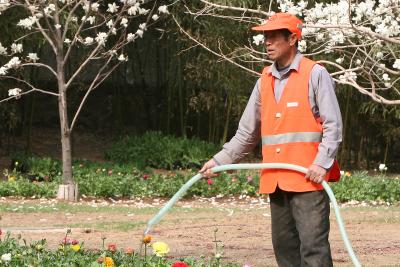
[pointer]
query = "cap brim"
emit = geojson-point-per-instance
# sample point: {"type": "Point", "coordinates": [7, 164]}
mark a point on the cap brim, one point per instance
{"type": "Point", "coordinates": [263, 28]}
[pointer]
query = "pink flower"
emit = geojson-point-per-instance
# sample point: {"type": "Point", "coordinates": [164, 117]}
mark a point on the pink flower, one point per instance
{"type": "Point", "coordinates": [210, 181]}
{"type": "Point", "coordinates": [74, 242]}
{"type": "Point", "coordinates": [112, 247]}
{"type": "Point", "coordinates": [249, 179]}
{"type": "Point", "coordinates": [234, 179]}
{"type": "Point", "coordinates": [110, 172]}
{"type": "Point", "coordinates": [247, 265]}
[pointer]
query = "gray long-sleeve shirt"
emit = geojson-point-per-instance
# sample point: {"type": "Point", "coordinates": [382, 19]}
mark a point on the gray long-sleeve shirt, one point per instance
{"type": "Point", "coordinates": [323, 104]}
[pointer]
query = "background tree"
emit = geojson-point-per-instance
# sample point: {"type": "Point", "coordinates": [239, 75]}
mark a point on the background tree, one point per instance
{"type": "Point", "coordinates": [358, 41]}
{"type": "Point", "coordinates": [85, 41]}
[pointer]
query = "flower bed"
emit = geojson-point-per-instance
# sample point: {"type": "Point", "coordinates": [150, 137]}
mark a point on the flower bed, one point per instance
{"type": "Point", "coordinates": [16, 252]}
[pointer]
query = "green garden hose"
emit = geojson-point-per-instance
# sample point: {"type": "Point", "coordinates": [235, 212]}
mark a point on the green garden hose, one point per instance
{"type": "Point", "coordinates": [244, 166]}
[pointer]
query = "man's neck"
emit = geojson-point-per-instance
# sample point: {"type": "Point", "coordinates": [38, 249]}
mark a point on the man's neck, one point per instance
{"type": "Point", "coordinates": [287, 60]}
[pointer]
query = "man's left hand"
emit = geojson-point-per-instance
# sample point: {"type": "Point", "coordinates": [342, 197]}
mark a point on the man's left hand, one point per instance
{"type": "Point", "coordinates": [316, 174]}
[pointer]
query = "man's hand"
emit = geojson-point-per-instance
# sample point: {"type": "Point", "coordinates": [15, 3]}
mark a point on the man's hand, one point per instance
{"type": "Point", "coordinates": [206, 170]}
{"type": "Point", "coordinates": [316, 173]}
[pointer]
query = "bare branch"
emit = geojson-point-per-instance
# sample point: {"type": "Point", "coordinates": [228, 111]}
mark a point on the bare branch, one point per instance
{"type": "Point", "coordinates": [213, 52]}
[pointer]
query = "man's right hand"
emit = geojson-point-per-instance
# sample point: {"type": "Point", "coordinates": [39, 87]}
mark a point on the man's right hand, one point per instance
{"type": "Point", "coordinates": [206, 169]}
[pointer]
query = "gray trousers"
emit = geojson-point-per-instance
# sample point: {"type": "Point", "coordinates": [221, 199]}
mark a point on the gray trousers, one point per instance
{"type": "Point", "coordinates": [300, 228]}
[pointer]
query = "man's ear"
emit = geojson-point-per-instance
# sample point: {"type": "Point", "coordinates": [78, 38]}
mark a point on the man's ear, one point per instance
{"type": "Point", "coordinates": [293, 39]}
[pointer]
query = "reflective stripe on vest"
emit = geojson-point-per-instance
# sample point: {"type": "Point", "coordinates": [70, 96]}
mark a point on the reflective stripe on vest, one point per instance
{"type": "Point", "coordinates": [278, 139]}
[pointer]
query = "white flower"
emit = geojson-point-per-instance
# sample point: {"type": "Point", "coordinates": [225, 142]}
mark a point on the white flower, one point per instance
{"type": "Point", "coordinates": [339, 60]}
{"type": "Point", "coordinates": [379, 54]}
{"type": "Point", "coordinates": [163, 9]}
{"type": "Point", "coordinates": [27, 23]}
{"type": "Point", "coordinates": [50, 8]}
{"type": "Point", "coordinates": [155, 17]}
{"type": "Point", "coordinates": [3, 70]}
{"type": "Point", "coordinates": [13, 63]}
{"type": "Point", "coordinates": [33, 57]}
{"type": "Point", "coordinates": [88, 40]}
{"type": "Point", "coordinates": [113, 31]}
{"type": "Point", "coordinates": [3, 50]}
{"type": "Point", "coordinates": [67, 41]}
{"type": "Point", "coordinates": [143, 11]}
{"type": "Point", "coordinates": [110, 23]}
{"type": "Point", "coordinates": [122, 58]}
{"type": "Point", "coordinates": [13, 92]}
{"type": "Point", "coordinates": [133, 9]}
{"type": "Point", "coordinates": [74, 19]}
{"type": "Point", "coordinates": [124, 22]}
{"type": "Point", "coordinates": [348, 76]}
{"type": "Point", "coordinates": [142, 26]}
{"type": "Point", "coordinates": [258, 39]}
{"type": "Point", "coordinates": [341, 172]}
{"type": "Point", "coordinates": [387, 85]}
{"type": "Point", "coordinates": [129, 2]}
{"type": "Point", "coordinates": [95, 7]}
{"type": "Point", "coordinates": [139, 32]}
{"type": "Point", "coordinates": [358, 62]}
{"type": "Point", "coordinates": [130, 37]}
{"type": "Point", "coordinates": [386, 77]}
{"type": "Point", "coordinates": [396, 64]}
{"type": "Point", "coordinates": [112, 8]}
{"type": "Point", "coordinates": [91, 19]}
{"type": "Point", "coordinates": [6, 257]}
{"type": "Point", "coordinates": [57, 26]}
{"type": "Point", "coordinates": [4, 4]}
{"type": "Point", "coordinates": [101, 37]}
{"type": "Point", "coordinates": [382, 167]}
{"type": "Point", "coordinates": [302, 46]}
{"type": "Point", "coordinates": [16, 48]}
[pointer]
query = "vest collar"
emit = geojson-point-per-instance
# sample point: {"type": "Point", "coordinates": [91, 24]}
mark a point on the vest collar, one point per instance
{"type": "Point", "coordinates": [273, 70]}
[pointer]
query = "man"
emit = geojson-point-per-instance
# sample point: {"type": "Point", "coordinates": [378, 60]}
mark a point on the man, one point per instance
{"type": "Point", "coordinates": [294, 111]}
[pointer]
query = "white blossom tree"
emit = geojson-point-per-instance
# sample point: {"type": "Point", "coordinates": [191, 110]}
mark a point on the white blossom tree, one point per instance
{"type": "Point", "coordinates": [99, 29]}
{"type": "Point", "coordinates": [358, 40]}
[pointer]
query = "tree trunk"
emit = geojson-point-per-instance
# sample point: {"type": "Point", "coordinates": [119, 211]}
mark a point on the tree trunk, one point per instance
{"type": "Point", "coordinates": [67, 191]}
{"type": "Point", "coordinates": [227, 119]}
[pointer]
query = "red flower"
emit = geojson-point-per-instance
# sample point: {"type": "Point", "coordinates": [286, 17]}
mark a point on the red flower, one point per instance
{"type": "Point", "coordinates": [180, 264]}
{"type": "Point", "coordinates": [129, 250]}
{"type": "Point", "coordinates": [210, 182]}
{"type": "Point", "coordinates": [112, 247]}
{"type": "Point", "coordinates": [74, 242]}
{"type": "Point", "coordinates": [146, 176]}
{"type": "Point", "coordinates": [1, 232]}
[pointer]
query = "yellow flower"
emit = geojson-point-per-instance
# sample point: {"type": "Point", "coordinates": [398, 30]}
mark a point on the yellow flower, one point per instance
{"type": "Point", "coordinates": [347, 174]}
{"type": "Point", "coordinates": [109, 262]}
{"type": "Point", "coordinates": [160, 248]}
{"type": "Point", "coordinates": [76, 247]}
{"type": "Point", "coordinates": [11, 178]}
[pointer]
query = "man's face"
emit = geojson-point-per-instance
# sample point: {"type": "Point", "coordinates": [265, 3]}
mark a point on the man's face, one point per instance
{"type": "Point", "coordinates": [278, 45]}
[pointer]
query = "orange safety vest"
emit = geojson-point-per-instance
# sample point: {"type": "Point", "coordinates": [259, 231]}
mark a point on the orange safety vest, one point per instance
{"type": "Point", "coordinates": [290, 133]}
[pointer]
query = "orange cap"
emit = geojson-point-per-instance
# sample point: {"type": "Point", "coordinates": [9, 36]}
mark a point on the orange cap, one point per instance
{"type": "Point", "coordinates": [280, 21]}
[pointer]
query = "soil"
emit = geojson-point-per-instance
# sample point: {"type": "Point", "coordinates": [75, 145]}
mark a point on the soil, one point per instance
{"type": "Point", "coordinates": [243, 228]}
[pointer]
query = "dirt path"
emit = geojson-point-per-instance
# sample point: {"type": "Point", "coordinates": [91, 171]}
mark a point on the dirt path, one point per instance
{"type": "Point", "coordinates": [243, 227]}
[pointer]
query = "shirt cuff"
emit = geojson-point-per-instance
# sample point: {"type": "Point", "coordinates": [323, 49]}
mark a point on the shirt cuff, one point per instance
{"type": "Point", "coordinates": [222, 158]}
{"type": "Point", "coordinates": [323, 161]}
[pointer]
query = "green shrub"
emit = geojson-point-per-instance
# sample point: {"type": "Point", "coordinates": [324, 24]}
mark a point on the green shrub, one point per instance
{"type": "Point", "coordinates": [156, 150]}
{"type": "Point", "coordinates": [125, 181]}
{"type": "Point", "coordinates": [363, 187]}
